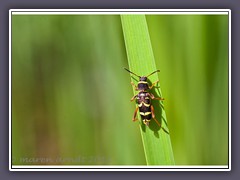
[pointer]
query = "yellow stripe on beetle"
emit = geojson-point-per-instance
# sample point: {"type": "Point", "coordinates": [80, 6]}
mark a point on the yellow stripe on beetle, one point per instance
{"type": "Point", "coordinates": [145, 114]}
{"type": "Point", "coordinates": [142, 82]}
{"type": "Point", "coordinates": [140, 105]}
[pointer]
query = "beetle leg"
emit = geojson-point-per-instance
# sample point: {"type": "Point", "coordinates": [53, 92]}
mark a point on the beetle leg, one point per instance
{"type": "Point", "coordinates": [153, 116]}
{"type": "Point", "coordinates": [135, 114]}
{"type": "Point", "coordinates": [134, 97]}
{"type": "Point", "coordinates": [135, 87]}
{"type": "Point", "coordinates": [153, 97]}
{"type": "Point", "coordinates": [153, 84]}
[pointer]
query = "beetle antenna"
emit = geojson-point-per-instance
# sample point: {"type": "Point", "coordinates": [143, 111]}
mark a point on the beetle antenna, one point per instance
{"type": "Point", "coordinates": [153, 73]}
{"type": "Point", "coordinates": [132, 72]}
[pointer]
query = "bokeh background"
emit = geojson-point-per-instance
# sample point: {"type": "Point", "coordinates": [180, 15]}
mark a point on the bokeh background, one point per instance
{"type": "Point", "coordinates": [71, 97]}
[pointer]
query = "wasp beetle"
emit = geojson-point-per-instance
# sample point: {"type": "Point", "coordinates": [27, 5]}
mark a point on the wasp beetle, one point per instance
{"type": "Point", "coordinates": [143, 99]}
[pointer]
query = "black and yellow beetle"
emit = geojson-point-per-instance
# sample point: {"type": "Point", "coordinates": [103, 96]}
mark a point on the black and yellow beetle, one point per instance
{"type": "Point", "coordinates": [143, 99]}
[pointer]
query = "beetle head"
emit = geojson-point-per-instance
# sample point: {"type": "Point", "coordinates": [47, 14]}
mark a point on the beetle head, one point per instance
{"type": "Point", "coordinates": [143, 78]}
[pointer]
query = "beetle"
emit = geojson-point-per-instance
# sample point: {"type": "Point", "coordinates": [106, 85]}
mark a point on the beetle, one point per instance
{"type": "Point", "coordinates": [143, 99]}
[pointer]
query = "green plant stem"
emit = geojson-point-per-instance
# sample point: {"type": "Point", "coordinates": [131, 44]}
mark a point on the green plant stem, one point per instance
{"type": "Point", "coordinates": [156, 142]}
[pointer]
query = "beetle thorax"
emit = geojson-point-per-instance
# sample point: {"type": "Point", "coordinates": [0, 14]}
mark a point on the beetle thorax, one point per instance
{"type": "Point", "coordinates": [143, 84]}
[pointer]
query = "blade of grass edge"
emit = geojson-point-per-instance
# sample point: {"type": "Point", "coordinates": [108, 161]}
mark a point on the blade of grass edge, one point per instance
{"type": "Point", "coordinates": [157, 144]}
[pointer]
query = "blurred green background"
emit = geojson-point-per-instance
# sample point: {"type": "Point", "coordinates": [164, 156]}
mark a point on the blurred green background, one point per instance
{"type": "Point", "coordinates": [71, 97]}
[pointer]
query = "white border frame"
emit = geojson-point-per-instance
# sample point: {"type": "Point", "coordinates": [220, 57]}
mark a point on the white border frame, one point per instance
{"type": "Point", "coordinates": [118, 12]}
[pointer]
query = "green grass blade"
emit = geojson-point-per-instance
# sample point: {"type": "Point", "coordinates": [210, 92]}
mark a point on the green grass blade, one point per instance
{"type": "Point", "coordinates": [156, 142]}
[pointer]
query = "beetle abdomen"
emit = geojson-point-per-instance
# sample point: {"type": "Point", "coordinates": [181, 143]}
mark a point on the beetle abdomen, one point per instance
{"type": "Point", "coordinates": [145, 112]}
{"type": "Point", "coordinates": [144, 104]}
